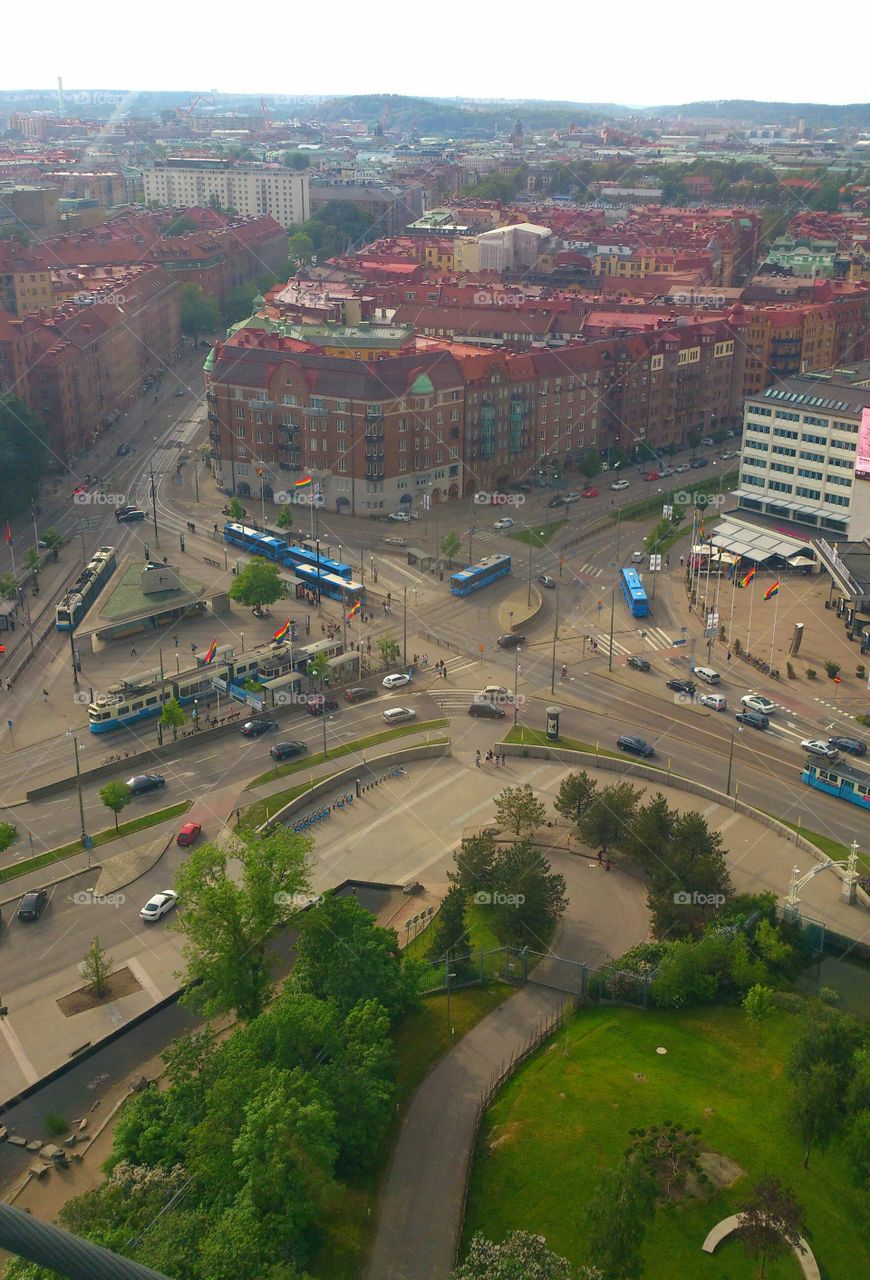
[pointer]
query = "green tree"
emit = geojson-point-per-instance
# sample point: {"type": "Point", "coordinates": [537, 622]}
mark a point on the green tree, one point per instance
{"type": "Point", "coordinates": [758, 1002]}
{"type": "Point", "coordinates": [590, 464]}
{"type": "Point", "coordinates": [771, 1220]}
{"type": "Point", "coordinates": [23, 455]}
{"type": "Point", "coordinates": [450, 547]}
{"type": "Point", "coordinates": [285, 518]}
{"type": "Point", "coordinates": [615, 1218]}
{"type": "Point", "coordinates": [239, 303]}
{"type": "Point", "coordinates": [826, 1036]}
{"type": "Point", "coordinates": [258, 584]}
{"type": "Point", "coordinates": [474, 860]}
{"type": "Point", "coordinates": [610, 815]}
{"type": "Point", "coordinates": [235, 509]}
{"type": "Point", "coordinates": [199, 311]}
{"type": "Point", "coordinates": [96, 967]}
{"type": "Point", "coordinates": [300, 248]}
{"type": "Point", "coordinates": [53, 540]}
{"type": "Point", "coordinates": [519, 810]}
{"type": "Point", "coordinates": [179, 226]}
{"type": "Point", "coordinates": [172, 717]}
{"type": "Point", "coordinates": [318, 669]}
{"type": "Point", "coordinates": [668, 1153]}
{"type": "Point", "coordinates": [116, 796]}
{"type": "Point", "coordinates": [815, 1108]}
{"type": "Point", "coordinates": [856, 1141]}
{"type": "Point", "coordinates": [33, 561]}
{"type": "Point", "coordinates": [15, 232]}
{"type": "Point", "coordinates": [343, 955]}
{"type": "Point", "coordinates": [298, 160]}
{"type": "Point", "coordinates": [528, 898]}
{"type": "Point", "coordinates": [651, 832]}
{"type": "Point", "coordinates": [448, 929]}
{"type": "Point", "coordinates": [389, 650]}
{"type": "Point", "coordinates": [575, 795]}
{"type": "Point", "coordinates": [229, 915]}
{"type": "Point", "coordinates": [8, 586]}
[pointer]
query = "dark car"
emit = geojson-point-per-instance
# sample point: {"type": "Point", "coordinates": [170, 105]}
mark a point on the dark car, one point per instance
{"type": "Point", "coordinates": [319, 704]}
{"type": "Point", "coordinates": [753, 718]}
{"type": "Point", "coordinates": [510, 641]}
{"type": "Point", "coordinates": [122, 450]}
{"type": "Point", "coordinates": [488, 710]}
{"type": "Point", "coordinates": [124, 511]}
{"type": "Point", "coordinates": [636, 746]}
{"type": "Point", "coordinates": [699, 463]}
{"type": "Point", "coordinates": [256, 728]}
{"type": "Point", "coordinates": [682, 686]}
{"type": "Point", "coordinates": [179, 391]}
{"type": "Point", "coordinates": [130, 517]}
{"type": "Point", "coordinates": [556, 502]}
{"type": "Point", "coordinates": [852, 746]}
{"type": "Point", "coordinates": [359, 693]}
{"type": "Point", "coordinates": [32, 904]}
{"type": "Point", "coordinates": [520, 488]}
{"type": "Point", "coordinates": [639, 664]}
{"type": "Point", "coordinates": [143, 782]}
{"type": "Point", "coordinates": [284, 750]}
{"type": "Point", "coordinates": [546, 581]}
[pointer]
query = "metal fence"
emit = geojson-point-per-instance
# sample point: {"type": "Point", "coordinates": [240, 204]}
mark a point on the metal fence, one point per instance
{"type": "Point", "coordinates": [519, 965]}
{"type": "Point", "coordinates": [822, 937]}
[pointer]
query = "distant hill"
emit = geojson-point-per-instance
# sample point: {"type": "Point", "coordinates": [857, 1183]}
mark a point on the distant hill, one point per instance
{"type": "Point", "coordinates": [814, 114]}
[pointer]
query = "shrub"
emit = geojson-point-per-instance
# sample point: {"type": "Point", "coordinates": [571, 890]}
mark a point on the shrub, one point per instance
{"type": "Point", "coordinates": [859, 671]}
{"type": "Point", "coordinates": [55, 1125]}
{"type": "Point", "coordinates": [811, 673]}
{"type": "Point", "coordinates": [738, 647]}
{"type": "Point", "coordinates": [792, 674]}
{"type": "Point", "coordinates": [831, 668]}
{"type": "Point", "coordinates": [8, 833]}
{"type": "Point", "coordinates": [788, 1000]}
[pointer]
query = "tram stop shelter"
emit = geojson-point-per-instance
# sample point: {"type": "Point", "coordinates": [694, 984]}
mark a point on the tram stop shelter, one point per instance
{"type": "Point", "coordinates": [149, 596]}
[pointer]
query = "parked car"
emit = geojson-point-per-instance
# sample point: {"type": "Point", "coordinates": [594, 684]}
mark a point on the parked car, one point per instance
{"type": "Point", "coordinates": [572, 497]}
{"type": "Point", "coordinates": [729, 454]}
{"type": "Point", "coordinates": [396, 680]}
{"type": "Point", "coordinates": [637, 557]}
{"type": "Point", "coordinates": [852, 746]}
{"type": "Point", "coordinates": [159, 905]}
{"type": "Point", "coordinates": [395, 714]}
{"type": "Point", "coordinates": [285, 750]}
{"type": "Point", "coordinates": [666, 472]}
{"type": "Point", "coordinates": [757, 702]}
{"type": "Point", "coordinates": [510, 640]}
{"type": "Point", "coordinates": [591, 492]}
{"type": "Point", "coordinates": [699, 463]}
{"type": "Point", "coordinates": [319, 703]}
{"type": "Point", "coordinates": [256, 728]}
{"type": "Point", "coordinates": [130, 517]}
{"type": "Point", "coordinates": [620, 484]}
{"type": "Point", "coordinates": [395, 542]}
{"type": "Point", "coordinates": [179, 391]}
{"type": "Point", "coordinates": [715, 701]}
{"type": "Point", "coordinates": [683, 467]}
{"type": "Point", "coordinates": [506, 523]}
{"type": "Point", "coordinates": [708, 441]}
{"type": "Point", "coordinates": [753, 718]}
{"type": "Point", "coordinates": [546, 581]}
{"type": "Point", "coordinates": [123, 511]}
{"type": "Point", "coordinates": [558, 501]}
{"type": "Point", "coordinates": [520, 488]}
{"type": "Point", "coordinates": [486, 709]}
{"type": "Point", "coordinates": [189, 834]}
{"type": "Point", "coordinates": [122, 450]}
{"type": "Point", "coordinates": [681, 686]}
{"type": "Point", "coordinates": [143, 782]}
{"type": "Point", "coordinates": [32, 905]}
{"type": "Point", "coordinates": [635, 746]}
{"type": "Point", "coordinates": [400, 515]}
{"type": "Point", "coordinates": [639, 664]}
{"type": "Point", "coordinates": [359, 693]}
{"type": "Point", "coordinates": [816, 747]}
{"type": "Point", "coordinates": [653, 475]}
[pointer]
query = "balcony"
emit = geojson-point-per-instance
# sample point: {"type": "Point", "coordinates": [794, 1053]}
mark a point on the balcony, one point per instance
{"type": "Point", "coordinates": [374, 433]}
{"type": "Point", "coordinates": [314, 411]}
{"type": "Point", "coordinates": [374, 473]}
{"type": "Point", "coordinates": [211, 397]}
{"type": "Point", "coordinates": [214, 437]}
{"type": "Point", "coordinates": [212, 417]}
{"type": "Point", "coordinates": [374, 416]}
{"type": "Point", "coordinates": [262, 404]}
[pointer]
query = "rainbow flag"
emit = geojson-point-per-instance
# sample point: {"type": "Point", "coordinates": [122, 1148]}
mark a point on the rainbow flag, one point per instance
{"type": "Point", "coordinates": [303, 483]}
{"type": "Point", "coordinates": [354, 611]}
{"type": "Point", "coordinates": [282, 632]}
{"type": "Point", "coordinates": [745, 581]}
{"type": "Point", "coordinates": [772, 591]}
{"type": "Point", "coordinates": [212, 650]}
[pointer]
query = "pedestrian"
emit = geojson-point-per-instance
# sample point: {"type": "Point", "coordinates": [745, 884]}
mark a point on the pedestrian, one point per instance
{"type": "Point", "coordinates": [667, 562]}
{"type": "Point", "coordinates": [476, 758]}
{"type": "Point", "coordinates": [489, 757]}
{"type": "Point", "coordinates": [8, 686]}
{"type": "Point", "coordinates": [728, 655]}
{"type": "Point", "coordinates": [564, 670]}
{"type": "Point", "coordinates": [215, 530]}
{"type": "Point", "coordinates": [682, 561]}
{"type": "Point", "coordinates": [132, 651]}
{"type": "Point", "coordinates": [45, 695]}
{"type": "Point", "coordinates": [607, 865]}
{"type": "Point", "coordinates": [192, 647]}
{"type": "Point", "coordinates": [497, 758]}
{"type": "Point", "coordinates": [600, 855]}
{"type": "Point", "coordinates": [192, 527]}
{"type": "Point", "coordinates": [175, 638]}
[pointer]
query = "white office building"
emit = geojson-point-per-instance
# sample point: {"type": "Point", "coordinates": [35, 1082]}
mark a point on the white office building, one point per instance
{"type": "Point", "coordinates": [252, 192]}
{"type": "Point", "coordinates": [806, 451]}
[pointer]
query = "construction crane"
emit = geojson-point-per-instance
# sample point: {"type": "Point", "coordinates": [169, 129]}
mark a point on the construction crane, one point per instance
{"type": "Point", "coordinates": [267, 122]}
{"type": "Point", "coordinates": [186, 111]}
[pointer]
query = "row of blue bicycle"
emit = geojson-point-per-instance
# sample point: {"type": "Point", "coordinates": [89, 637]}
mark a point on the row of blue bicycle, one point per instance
{"type": "Point", "coordinates": [319, 815]}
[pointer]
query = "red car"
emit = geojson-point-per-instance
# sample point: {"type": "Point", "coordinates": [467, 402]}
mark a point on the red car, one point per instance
{"type": "Point", "coordinates": [652, 475]}
{"type": "Point", "coordinates": [590, 493]}
{"type": "Point", "coordinates": [189, 834]}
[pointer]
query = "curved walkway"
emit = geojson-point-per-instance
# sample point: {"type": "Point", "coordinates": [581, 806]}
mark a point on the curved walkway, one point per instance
{"type": "Point", "coordinates": [803, 1252]}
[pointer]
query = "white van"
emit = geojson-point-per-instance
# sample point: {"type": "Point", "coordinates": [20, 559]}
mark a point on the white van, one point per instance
{"type": "Point", "coordinates": [707, 674]}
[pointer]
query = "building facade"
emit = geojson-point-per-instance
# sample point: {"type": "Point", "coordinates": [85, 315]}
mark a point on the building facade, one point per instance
{"type": "Point", "coordinates": [252, 192]}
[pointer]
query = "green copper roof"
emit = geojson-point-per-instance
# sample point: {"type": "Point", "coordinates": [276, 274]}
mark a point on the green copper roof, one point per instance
{"type": "Point", "coordinates": [422, 386]}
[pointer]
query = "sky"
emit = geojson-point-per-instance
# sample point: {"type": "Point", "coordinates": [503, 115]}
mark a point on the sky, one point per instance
{"type": "Point", "coordinates": [638, 54]}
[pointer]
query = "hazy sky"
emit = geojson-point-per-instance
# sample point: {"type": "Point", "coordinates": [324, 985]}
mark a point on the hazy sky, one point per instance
{"type": "Point", "coordinates": [633, 53]}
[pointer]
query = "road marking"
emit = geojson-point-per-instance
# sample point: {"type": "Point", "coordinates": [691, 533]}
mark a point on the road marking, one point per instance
{"type": "Point", "coordinates": [138, 972]}
{"type": "Point", "coordinates": [26, 1067]}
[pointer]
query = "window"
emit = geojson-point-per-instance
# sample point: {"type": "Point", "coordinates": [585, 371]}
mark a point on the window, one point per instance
{"type": "Point", "coordinates": [341, 424]}
{"type": "Point", "coordinates": [240, 433]}
{"type": "Point", "coordinates": [240, 414]}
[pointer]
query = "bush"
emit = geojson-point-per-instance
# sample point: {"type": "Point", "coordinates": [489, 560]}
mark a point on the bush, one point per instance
{"type": "Point", "coordinates": [811, 673]}
{"type": "Point", "coordinates": [788, 1000]}
{"type": "Point", "coordinates": [792, 674]}
{"type": "Point", "coordinates": [859, 671]}
{"type": "Point", "coordinates": [832, 668]}
{"type": "Point", "coordinates": [55, 1125]}
{"type": "Point", "coordinates": [738, 647]}
{"type": "Point", "coordinates": [8, 832]}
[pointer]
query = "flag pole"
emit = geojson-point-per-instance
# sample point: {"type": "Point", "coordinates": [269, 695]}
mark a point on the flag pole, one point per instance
{"type": "Point", "coordinates": [775, 614]}
{"type": "Point", "coordinates": [749, 626]}
{"type": "Point", "coordinates": [735, 569]}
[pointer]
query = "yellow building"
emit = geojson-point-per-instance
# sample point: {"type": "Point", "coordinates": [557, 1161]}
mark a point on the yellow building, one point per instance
{"type": "Point", "coordinates": [24, 290]}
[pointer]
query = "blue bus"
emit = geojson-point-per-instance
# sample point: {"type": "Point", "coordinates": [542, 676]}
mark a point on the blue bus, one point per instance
{"type": "Point", "coordinates": [479, 575]}
{"type": "Point", "coordinates": [841, 780]}
{"type": "Point", "coordinates": [78, 599]}
{"type": "Point", "coordinates": [329, 584]}
{"type": "Point", "coordinates": [263, 542]}
{"type": "Point", "coordinates": [633, 593]}
{"type": "Point", "coordinates": [308, 556]}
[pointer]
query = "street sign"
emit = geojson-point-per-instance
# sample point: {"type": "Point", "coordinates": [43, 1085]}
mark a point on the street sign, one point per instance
{"type": "Point", "coordinates": [667, 512]}
{"type": "Point", "coordinates": [655, 564]}
{"type": "Point", "coordinates": [10, 723]}
{"type": "Point", "coordinates": [677, 643]}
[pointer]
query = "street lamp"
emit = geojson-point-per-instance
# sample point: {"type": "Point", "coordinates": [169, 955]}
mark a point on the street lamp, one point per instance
{"type": "Point", "coordinates": [516, 679]}
{"type": "Point", "coordinates": [84, 834]}
{"type": "Point", "coordinates": [449, 975]}
{"type": "Point", "coordinates": [730, 762]}
{"type": "Point", "coordinates": [196, 713]}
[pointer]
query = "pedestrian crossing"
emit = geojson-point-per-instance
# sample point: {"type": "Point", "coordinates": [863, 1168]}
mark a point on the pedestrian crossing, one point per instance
{"type": "Point", "coordinates": [590, 570]}
{"type": "Point", "coordinates": [652, 638]}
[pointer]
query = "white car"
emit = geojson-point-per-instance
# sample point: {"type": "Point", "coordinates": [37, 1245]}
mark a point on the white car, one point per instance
{"type": "Point", "coordinates": [396, 681]}
{"type": "Point", "coordinates": [507, 523]}
{"type": "Point", "coordinates": [399, 515]}
{"type": "Point", "coordinates": [159, 905]}
{"type": "Point", "coordinates": [756, 702]}
{"type": "Point", "coordinates": [619, 484]}
{"type": "Point", "coordinates": [394, 714]}
{"type": "Point", "coordinates": [571, 497]}
{"type": "Point", "coordinates": [713, 700]}
{"type": "Point", "coordinates": [815, 747]}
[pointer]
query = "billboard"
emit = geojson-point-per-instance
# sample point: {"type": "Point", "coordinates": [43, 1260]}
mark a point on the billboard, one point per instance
{"type": "Point", "coordinates": [862, 458]}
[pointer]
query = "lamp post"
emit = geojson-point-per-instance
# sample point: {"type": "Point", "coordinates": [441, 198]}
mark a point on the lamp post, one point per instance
{"type": "Point", "coordinates": [196, 713]}
{"type": "Point", "coordinates": [555, 638]}
{"type": "Point", "coordinates": [84, 834]}
{"type": "Point", "coordinates": [448, 975]}
{"type": "Point", "coordinates": [730, 762]}
{"type": "Point", "coordinates": [516, 681]}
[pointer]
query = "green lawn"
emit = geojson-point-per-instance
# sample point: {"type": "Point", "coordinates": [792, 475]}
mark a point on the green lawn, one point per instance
{"type": "Point", "coordinates": [374, 740]}
{"type": "Point", "coordinates": [690, 484]}
{"type": "Point", "coordinates": [565, 1117]}
{"type": "Point", "coordinates": [541, 533]}
{"type": "Point", "coordinates": [420, 1041]}
{"type": "Point", "coordinates": [836, 851]}
{"type": "Point", "coordinates": [102, 837]}
{"type": "Point", "coordinates": [538, 738]}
